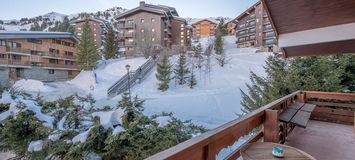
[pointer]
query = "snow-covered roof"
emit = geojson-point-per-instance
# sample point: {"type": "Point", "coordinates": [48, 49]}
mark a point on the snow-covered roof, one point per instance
{"type": "Point", "coordinates": [36, 34]}
{"type": "Point", "coordinates": [158, 9]}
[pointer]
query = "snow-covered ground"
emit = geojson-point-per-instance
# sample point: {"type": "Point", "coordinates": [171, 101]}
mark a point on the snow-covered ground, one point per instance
{"type": "Point", "coordinates": [214, 101]}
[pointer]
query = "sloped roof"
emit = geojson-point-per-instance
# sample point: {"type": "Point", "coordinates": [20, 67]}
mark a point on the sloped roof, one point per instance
{"type": "Point", "coordinates": [158, 9]}
{"type": "Point", "coordinates": [193, 22]}
{"type": "Point", "coordinates": [246, 12]}
{"type": "Point", "coordinates": [99, 20]}
{"type": "Point", "coordinates": [35, 34]}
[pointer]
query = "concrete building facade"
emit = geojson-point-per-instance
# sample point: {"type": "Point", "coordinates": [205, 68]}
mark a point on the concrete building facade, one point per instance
{"type": "Point", "coordinates": [150, 27]}
{"type": "Point", "coordinates": [98, 26]}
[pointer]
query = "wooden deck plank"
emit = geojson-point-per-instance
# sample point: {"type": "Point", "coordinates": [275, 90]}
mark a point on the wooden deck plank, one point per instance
{"type": "Point", "coordinates": [301, 118]}
{"type": "Point", "coordinates": [308, 107]}
{"type": "Point", "coordinates": [287, 115]}
{"type": "Point", "coordinates": [296, 105]}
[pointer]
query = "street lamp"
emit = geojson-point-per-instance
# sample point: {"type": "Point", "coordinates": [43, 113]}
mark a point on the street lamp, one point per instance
{"type": "Point", "coordinates": [129, 87]}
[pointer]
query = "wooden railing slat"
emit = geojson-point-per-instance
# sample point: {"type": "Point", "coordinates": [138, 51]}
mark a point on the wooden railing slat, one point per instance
{"type": "Point", "coordinates": [345, 105]}
{"type": "Point", "coordinates": [330, 95]}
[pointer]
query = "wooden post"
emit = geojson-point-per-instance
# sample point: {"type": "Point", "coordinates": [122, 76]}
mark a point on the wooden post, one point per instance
{"type": "Point", "coordinates": [354, 122]}
{"type": "Point", "coordinates": [271, 127]}
{"type": "Point", "coordinates": [211, 152]}
{"type": "Point", "coordinates": [301, 97]}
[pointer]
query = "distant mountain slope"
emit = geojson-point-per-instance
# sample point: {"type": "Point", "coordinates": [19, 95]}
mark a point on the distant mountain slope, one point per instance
{"type": "Point", "coordinates": [24, 24]}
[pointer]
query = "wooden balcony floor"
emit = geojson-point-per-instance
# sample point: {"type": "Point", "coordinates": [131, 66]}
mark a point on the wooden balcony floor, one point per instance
{"type": "Point", "coordinates": [324, 141]}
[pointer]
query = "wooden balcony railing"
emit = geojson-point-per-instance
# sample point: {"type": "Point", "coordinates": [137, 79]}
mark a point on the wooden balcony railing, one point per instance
{"type": "Point", "coordinates": [15, 62]}
{"type": "Point", "coordinates": [51, 65]}
{"type": "Point", "coordinates": [209, 144]}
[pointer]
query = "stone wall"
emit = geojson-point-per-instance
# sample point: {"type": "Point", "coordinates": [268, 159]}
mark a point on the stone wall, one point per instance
{"type": "Point", "coordinates": [41, 74]}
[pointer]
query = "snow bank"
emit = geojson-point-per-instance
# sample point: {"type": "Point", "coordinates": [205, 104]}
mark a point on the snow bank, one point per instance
{"type": "Point", "coordinates": [31, 86]}
{"type": "Point", "coordinates": [85, 80]}
{"type": "Point", "coordinates": [110, 118]}
{"type": "Point", "coordinates": [54, 137]}
{"type": "Point", "coordinates": [81, 137]}
{"type": "Point", "coordinates": [6, 98]}
{"type": "Point", "coordinates": [117, 130]}
{"type": "Point", "coordinates": [163, 120]}
{"type": "Point", "coordinates": [35, 146]}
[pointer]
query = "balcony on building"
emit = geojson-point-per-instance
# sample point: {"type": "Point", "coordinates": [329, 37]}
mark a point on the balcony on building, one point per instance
{"type": "Point", "coordinates": [129, 34]}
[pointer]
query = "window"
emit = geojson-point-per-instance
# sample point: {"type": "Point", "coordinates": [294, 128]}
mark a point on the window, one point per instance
{"type": "Point", "coordinates": [53, 51]}
{"type": "Point", "coordinates": [182, 33]}
{"type": "Point", "coordinates": [55, 61]}
{"type": "Point", "coordinates": [70, 73]}
{"type": "Point", "coordinates": [69, 62]}
{"type": "Point", "coordinates": [130, 22]}
{"type": "Point", "coordinates": [79, 34]}
{"type": "Point", "coordinates": [36, 41]}
{"type": "Point", "coordinates": [14, 44]}
{"type": "Point", "coordinates": [142, 30]}
{"type": "Point", "coordinates": [2, 43]}
{"type": "Point", "coordinates": [3, 56]}
{"type": "Point", "coordinates": [257, 20]}
{"type": "Point", "coordinates": [95, 35]}
{"type": "Point", "coordinates": [182, 41]}
{"type": "Point", "coordinates": [153, 19]}
{"type": "Point", "coordinates": [51, 71]}
{"type": "Point", "coordinates": [182, 25]}
{"type": "Point", "coordinates": [143, 39]}
{"type": "Point", "coordinates": [142, 20]}
{"type": "Point", "coordinates": [79, 28]}
{"type": "Point", "coordinates": [153, 30]}
{"type": "Point", "coordinates": [153, 39]}
{"type": "Point", "coordinates": [70, 54]}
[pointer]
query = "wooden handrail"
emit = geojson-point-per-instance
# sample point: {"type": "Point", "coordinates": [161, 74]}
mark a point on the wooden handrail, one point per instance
{"type": "Point", "coordinates": [207, 145]}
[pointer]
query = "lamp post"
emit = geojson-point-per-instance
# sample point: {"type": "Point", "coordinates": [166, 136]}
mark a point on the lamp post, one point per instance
{"type": "Point", "coordinates": [129, 85]}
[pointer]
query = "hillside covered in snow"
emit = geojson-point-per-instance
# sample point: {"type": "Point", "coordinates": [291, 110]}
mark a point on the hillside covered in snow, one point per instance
{"type": "Point", "coordinates": [214, 101]}
{"type": "Point", "coordinates": [50, 19]}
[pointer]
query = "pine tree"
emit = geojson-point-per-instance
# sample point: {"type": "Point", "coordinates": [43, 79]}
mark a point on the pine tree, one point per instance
{"type": "Point", "coordinates": [287, 76]}
{"type": "Point", "coordinates": [111, 47]}
{"type": "Point", "coordinates": [192, 81]}
{"type": "Point", "coordinates": [63, 26]}
{"type": "Point", "coordinates": [35, 27]}
{"type": "Point", "coordinates": [198, 55]}
{"type": "Point", "coordinates": [181, 70]}
{"type": "Point", "coordinates": [164, 74]}
{"type": "Point", "coordinates": [132, 109]}
{"type": "Point", "coordinates": [87, 53]}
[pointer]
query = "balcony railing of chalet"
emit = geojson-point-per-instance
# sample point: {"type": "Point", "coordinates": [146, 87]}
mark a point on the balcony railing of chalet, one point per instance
{"type": "Point", "coordinates": [264, 119]}
{"type": "Point", "coordinates": [39, 53]}
{"type": "Point", "coordinates": [53, 65]}
{"type": "Point", "coordinates": [15, 62]}
{"type": "Point", "coordinates": [129, 34]}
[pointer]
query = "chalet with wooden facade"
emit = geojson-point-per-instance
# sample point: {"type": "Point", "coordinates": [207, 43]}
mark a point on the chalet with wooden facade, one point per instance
{"type": "Point", "coordinates": [45, 56]}
{"type": "Point", "coordinates": [156, 26]}
{"type": "Point", "coordinates": [204, 28]}
{"type": "Point", "coordinates": [98, 26]}
{"type": "Point", "coordinates": [317, 125]}
{"type": "Point", "coordinates": [231, 25]}
{"type": "Point", "coordinates": [253, 28]}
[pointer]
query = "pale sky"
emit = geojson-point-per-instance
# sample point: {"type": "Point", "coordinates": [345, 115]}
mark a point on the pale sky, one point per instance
{"type": "Point", "coordinates": [16, 9]}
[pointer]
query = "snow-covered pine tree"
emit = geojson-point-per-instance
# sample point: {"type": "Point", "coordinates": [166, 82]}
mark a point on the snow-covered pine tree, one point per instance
{"type": "Point", "coordinates": [111, 47]}
{"type": "Point", "coordinates": [164, 73]}
{"type": "Point", "coordinates": [87, 53]}
{"type": "Point", "coordinates": [131, 108]}
{"type": "Point", "coordinates": [181, 70]}
{"type": "Point", "coordinates": [198, 55]}
{"type": "Point", "coordinates": [192, 79]}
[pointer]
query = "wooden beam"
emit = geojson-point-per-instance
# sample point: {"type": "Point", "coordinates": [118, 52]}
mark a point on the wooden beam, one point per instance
{"type": "Point", "coordinates": [331, 95]}
{"type": "Point", "coordinates": [271, 127]}
{"type": "Point", "coordinates": [354, 122]}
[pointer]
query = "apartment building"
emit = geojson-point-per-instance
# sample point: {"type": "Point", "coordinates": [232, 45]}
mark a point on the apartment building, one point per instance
{"type": "Point", "coordinates": [204, 28]}
{"type": "Point", "coordinates": [98, 26]}
{"type": "Point", "coordinates": [253, 29]}
{"type": "Point", "coordinates": [45, 56]}
{"type": "Point", "coordinates": [156, 26]}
